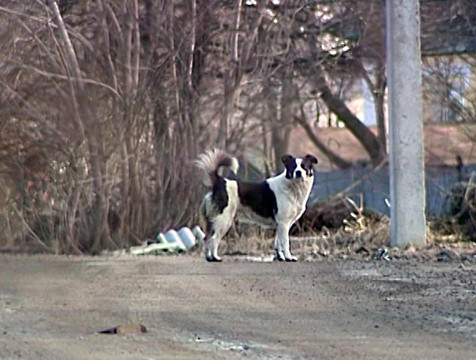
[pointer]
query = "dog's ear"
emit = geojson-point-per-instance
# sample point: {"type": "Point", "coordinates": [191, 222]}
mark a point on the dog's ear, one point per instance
{"type": "Point", "coordinates": [312, 159]}
{"type": "Point", "coordinates": [286, 159]}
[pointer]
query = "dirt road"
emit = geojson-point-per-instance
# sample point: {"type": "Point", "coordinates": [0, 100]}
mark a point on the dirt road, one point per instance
{"type": "Point", "coordinates": [53, 307]}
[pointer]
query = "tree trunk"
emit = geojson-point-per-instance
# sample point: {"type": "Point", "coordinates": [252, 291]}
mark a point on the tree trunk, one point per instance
{"type": "Point", "coordinates": [379, 97]}
{"type": "Point", "coordinates": [282, 121]}
{"type": "Point", "coordinates": [368, 140]}
{"type": "Point", "coordinates": [231, 79]}
{"type": "Point", "coordinates": [331, 155]}
{"type": "Point", "coordinates": [377, 91]}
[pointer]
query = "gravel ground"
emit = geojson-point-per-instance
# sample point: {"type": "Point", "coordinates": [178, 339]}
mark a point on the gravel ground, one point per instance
{"type": "Point", "coordinates": [52, 307]}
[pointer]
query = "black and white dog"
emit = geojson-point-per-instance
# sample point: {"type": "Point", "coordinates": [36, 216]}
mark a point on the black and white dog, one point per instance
{"type": "Point", "coordinates": [277, 202]}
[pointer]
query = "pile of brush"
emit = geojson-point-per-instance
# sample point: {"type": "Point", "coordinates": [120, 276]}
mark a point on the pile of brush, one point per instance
{"type": "Point", "coordinates": [341, 227]}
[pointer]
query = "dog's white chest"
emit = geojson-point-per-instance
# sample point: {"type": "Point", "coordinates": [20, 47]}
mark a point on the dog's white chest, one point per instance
{"type": "Point", "coordinates": [291, 199]}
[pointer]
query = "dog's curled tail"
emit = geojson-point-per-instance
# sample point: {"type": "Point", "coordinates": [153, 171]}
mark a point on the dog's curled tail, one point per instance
{"type": "Point", "coordinates": [211, 161]}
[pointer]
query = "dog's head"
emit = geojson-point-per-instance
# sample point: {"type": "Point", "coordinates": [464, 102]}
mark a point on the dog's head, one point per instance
{"type": "Point", "coordinates": [297, 168]}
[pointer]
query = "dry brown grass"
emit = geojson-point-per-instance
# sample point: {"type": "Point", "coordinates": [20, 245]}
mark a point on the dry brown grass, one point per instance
{"type": "Point", "coordinates": [359, 236]}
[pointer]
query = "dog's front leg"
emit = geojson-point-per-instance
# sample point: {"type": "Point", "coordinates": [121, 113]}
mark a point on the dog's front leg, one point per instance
{"type": "Point", "coordinates": [283, 235]}
{"type": "Point", "coordinates": [282, 243]}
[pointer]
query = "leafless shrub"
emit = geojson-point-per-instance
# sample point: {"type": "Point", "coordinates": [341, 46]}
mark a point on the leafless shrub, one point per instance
{"type": "Point", "coordinates": [96, 153]}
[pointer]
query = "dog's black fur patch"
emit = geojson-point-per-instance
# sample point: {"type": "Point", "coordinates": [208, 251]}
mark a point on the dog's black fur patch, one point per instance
{"type": "Point", "coordinates": [307, 163]}
{"type": "Point", "coordinates": [289, 162]}
{"type": "Point", "coordinates": [219, 194]}
{"type": "Point", "coordinates": [259, 197]}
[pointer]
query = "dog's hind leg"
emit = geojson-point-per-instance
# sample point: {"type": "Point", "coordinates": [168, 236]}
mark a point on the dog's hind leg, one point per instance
{"type": "Point", "coordinates": [221, 225]}
{"type": "Point", "coordinates": [219, 211]}
{"type": "Point", "coordinates": [211, 249]}
{"type": "Point", "coordinates": [206, 222]}
{"type": "Point", "coordinates": [278, 246]}
{"type": "Point", "coordinates": [206, 248]}
{"type": "Point", "coordinates": [210, 243]}
{"type": "Point", "coordinates": [214, 242]}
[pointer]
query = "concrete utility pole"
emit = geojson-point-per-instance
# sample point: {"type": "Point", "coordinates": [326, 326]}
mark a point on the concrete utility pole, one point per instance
{"type": "Point", "coordinates": [407, 179]}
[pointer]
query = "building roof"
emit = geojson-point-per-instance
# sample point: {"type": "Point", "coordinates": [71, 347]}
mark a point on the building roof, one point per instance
{"type": "Point", "coordinates": [442, 144]}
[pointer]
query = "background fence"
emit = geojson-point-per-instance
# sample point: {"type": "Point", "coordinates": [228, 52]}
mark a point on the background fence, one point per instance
{"type": "Point", "coordinates": [374, 187]}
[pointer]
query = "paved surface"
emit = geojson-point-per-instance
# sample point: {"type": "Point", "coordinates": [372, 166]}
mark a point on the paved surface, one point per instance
{"type": "Point", "coordinates": [53, 307]}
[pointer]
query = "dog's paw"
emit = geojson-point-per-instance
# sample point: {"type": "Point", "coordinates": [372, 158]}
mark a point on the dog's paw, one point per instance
{"type": "Point", "coordinates": [279, 256]}
{"type": "Point", "coordinates": [213, 259]}
{"type": "Point", "coordinates": [292, 258]}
